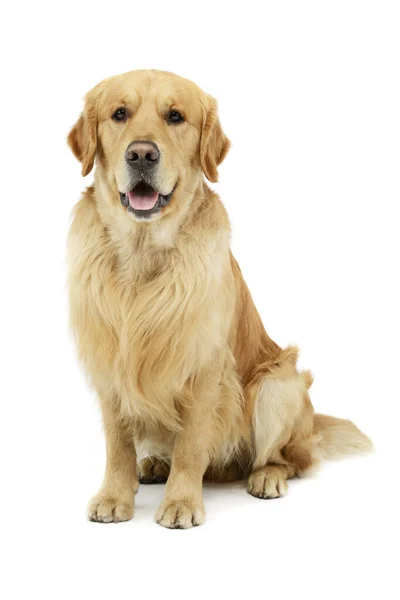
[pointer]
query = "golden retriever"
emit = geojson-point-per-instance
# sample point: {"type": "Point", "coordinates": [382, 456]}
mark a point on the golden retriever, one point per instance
{"type": "Point", "coordinates": [187, 377]}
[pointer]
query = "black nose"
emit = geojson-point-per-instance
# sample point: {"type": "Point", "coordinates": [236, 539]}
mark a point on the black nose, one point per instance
{"type": "Point", "coordinates": [143, 155]}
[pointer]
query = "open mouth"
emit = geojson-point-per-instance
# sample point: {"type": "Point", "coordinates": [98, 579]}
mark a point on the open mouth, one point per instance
{"type": "Point", "coordinates": [144, 201]}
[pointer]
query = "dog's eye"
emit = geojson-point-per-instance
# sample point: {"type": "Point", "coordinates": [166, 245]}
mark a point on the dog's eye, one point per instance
{"type": "Point", "coordinates": [120, 114]}
{"type": "Point", "coordinates": [175, 117]}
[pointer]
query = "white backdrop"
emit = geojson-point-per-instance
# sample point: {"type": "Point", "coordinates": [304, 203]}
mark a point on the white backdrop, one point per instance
{"type": "Point", "coordinates": [309, 94]}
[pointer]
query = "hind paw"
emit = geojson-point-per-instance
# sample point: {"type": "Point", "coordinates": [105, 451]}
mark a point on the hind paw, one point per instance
{"type": "Point", "coordinates": [266, 484]}
{"type": "Point", "coordinates": [153, 470]}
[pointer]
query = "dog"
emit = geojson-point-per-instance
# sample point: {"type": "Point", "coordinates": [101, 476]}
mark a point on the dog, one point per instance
{"type": "Point", "coordinates": [190, 385]}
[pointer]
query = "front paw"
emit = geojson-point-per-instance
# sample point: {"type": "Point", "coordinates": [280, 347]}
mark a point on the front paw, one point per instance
{"type": "Point", "coordinates": [180, 514]}
{"type": "Point", "coordinates": [107, 507]}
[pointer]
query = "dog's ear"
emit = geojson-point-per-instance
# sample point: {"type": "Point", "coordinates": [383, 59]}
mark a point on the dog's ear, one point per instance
{"type": "Point", "coordinates": [214, 144]}
{"type": "Point", "coordinates": [82, 138]}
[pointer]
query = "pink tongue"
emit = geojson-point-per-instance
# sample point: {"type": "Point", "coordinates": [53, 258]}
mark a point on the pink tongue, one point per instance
{"type": "Point", "coordinates": [141, 202]}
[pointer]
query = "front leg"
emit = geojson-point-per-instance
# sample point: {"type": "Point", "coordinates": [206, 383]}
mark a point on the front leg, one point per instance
{"type": "Point", "coordinates": [115, 500]}
{"type": "Point", "coordinates": [182, 506]}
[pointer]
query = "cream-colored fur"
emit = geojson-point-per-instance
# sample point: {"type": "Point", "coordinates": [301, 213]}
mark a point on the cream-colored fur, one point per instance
{"type": "Point", "coordinates": [165, 325]}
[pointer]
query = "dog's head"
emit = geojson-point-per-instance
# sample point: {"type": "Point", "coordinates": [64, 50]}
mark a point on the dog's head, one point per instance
{"type": "Point", "coordinates": [152, 134]}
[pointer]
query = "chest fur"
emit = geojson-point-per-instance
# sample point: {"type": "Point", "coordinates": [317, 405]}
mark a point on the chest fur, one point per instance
{"type": "Point", "coordinates": [142, 334]}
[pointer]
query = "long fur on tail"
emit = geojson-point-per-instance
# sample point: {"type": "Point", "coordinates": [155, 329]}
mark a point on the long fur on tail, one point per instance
{"type": "Point", "coordinates": [337, 438]}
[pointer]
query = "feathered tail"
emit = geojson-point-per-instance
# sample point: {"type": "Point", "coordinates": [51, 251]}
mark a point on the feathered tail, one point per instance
{"type": "Point", "coordinates": [338, 438]}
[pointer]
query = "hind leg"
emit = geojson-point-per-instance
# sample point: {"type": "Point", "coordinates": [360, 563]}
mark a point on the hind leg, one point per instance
{"type": "Point", "coordinates": [269, 481]}
{"type": "Point", "coordinates": [282, 423]}
{"type": "Point", "coordinates": [153, 470]}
